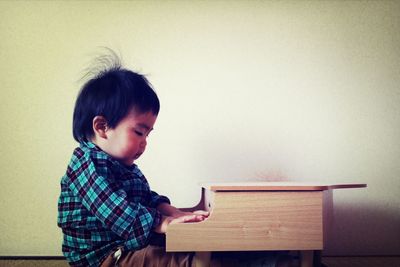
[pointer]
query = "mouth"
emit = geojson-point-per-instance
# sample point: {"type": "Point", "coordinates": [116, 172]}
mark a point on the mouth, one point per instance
{"type": "Point", "coordinates": [137, 155]}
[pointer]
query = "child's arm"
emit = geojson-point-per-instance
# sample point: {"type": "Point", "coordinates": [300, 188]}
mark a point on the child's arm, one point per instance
{"type": "Point", "coordinates": [167, 220]}
{"type": "Point", "coordinates": [131, 221]}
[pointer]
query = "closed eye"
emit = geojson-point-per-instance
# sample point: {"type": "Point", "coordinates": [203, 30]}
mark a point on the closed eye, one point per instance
{"type": "Point", "coordinates": [139, 133]}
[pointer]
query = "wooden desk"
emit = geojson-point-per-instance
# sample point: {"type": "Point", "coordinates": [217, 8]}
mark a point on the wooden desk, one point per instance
{"type": "Point", "coordinates": [259, 216]}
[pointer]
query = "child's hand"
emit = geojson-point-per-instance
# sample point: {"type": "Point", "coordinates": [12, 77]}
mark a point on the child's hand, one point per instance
{"type": "Point", "coordinates": [168, 210]}
{"type": "Point", "coordinates": [179, 213]}
{"type": "Point", "coordinates": [185, 218]}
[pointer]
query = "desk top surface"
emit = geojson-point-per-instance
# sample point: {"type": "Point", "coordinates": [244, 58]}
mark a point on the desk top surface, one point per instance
{"type": "Point", "coordinates": [276, 186]}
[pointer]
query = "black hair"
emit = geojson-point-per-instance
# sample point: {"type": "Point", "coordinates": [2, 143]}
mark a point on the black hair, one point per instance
{"type": "Point", "coordinates": [112, 93]}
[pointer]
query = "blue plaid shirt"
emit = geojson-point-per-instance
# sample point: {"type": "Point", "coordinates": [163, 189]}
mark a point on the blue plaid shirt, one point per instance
{"type": "Point", "coordinates": [104, 205]}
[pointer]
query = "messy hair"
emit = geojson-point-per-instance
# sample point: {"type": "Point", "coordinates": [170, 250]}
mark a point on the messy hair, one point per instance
{"type": "Point", "coordinates": [111, 92]}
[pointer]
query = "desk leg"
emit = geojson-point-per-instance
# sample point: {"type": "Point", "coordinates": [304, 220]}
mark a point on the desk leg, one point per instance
{"type": "Point", "coordinates": [306, 258]}
{"type": "Point", "coordinates": [317, 258]}
{"type": "Point", "coordinates": [202, 259]}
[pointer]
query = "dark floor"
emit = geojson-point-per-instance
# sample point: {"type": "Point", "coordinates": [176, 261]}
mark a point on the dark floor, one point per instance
{"type": "Point", "coordinates": [329, 261]}
{"type": "Point", "coordinates": [361, 261]}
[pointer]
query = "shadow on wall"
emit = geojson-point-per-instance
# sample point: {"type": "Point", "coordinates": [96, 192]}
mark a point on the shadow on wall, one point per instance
{"type": "Point", "coordinates": [363, 230]}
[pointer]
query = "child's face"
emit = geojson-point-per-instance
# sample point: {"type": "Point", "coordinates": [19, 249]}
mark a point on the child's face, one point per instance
{"type": "Point", "coordinates": [127, 141]}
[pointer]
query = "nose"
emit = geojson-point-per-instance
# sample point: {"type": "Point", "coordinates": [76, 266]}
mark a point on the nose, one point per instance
{"type": "Point", "coordinates": [143, 143]}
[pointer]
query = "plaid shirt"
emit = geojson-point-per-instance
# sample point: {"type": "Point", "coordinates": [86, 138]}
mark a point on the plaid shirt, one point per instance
{"type": "Point", "coordinates": [104, 205]}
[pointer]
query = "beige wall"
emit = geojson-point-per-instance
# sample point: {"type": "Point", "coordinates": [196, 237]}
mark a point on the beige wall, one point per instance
{"type": "Point", "coordinates": [305, 91]}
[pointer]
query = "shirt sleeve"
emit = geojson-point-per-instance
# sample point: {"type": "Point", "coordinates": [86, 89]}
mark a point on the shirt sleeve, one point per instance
{"type": "Point", "coordinates": [131, 221]}
{"type": "Point", "coordinates": [157, 199]}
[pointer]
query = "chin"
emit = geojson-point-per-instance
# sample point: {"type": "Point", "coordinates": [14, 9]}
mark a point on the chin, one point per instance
{"type": "Point", "coordinates": [128, 162]}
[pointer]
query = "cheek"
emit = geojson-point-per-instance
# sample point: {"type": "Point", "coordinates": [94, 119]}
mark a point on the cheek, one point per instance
{"type": "Point", "coordinates": [125, 143]}
{"type": "Point", "coordinates": [131, 142]}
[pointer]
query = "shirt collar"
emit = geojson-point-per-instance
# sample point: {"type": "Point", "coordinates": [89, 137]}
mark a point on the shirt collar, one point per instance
{"type": "Point", "coordinates": [87, 145]}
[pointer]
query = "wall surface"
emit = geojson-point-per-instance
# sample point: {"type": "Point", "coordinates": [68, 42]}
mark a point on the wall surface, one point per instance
{"type": "Point", "coordinates": [265, 90]}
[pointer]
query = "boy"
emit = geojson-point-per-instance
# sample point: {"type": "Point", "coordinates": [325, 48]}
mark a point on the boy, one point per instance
{"type": "Point", "coordinates": [106, 210]}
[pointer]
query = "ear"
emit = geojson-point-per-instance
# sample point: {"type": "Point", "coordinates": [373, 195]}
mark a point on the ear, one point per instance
{"type": "Point", "coordinates": [100, 126]}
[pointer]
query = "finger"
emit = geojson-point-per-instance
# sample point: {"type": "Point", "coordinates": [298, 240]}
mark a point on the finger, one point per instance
{"type": "Point", "coordinates": [184, 218]}
{"type": "Point", "coordinates": [197, 218]}
{"type": "Point", "coordinates": [201, 212]}
{"type": "Point", "coordinates": [189, 219]}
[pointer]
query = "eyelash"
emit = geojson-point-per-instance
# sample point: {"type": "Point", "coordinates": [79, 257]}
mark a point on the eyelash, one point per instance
{"type": "Point", "coordinates": [139, 133]}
